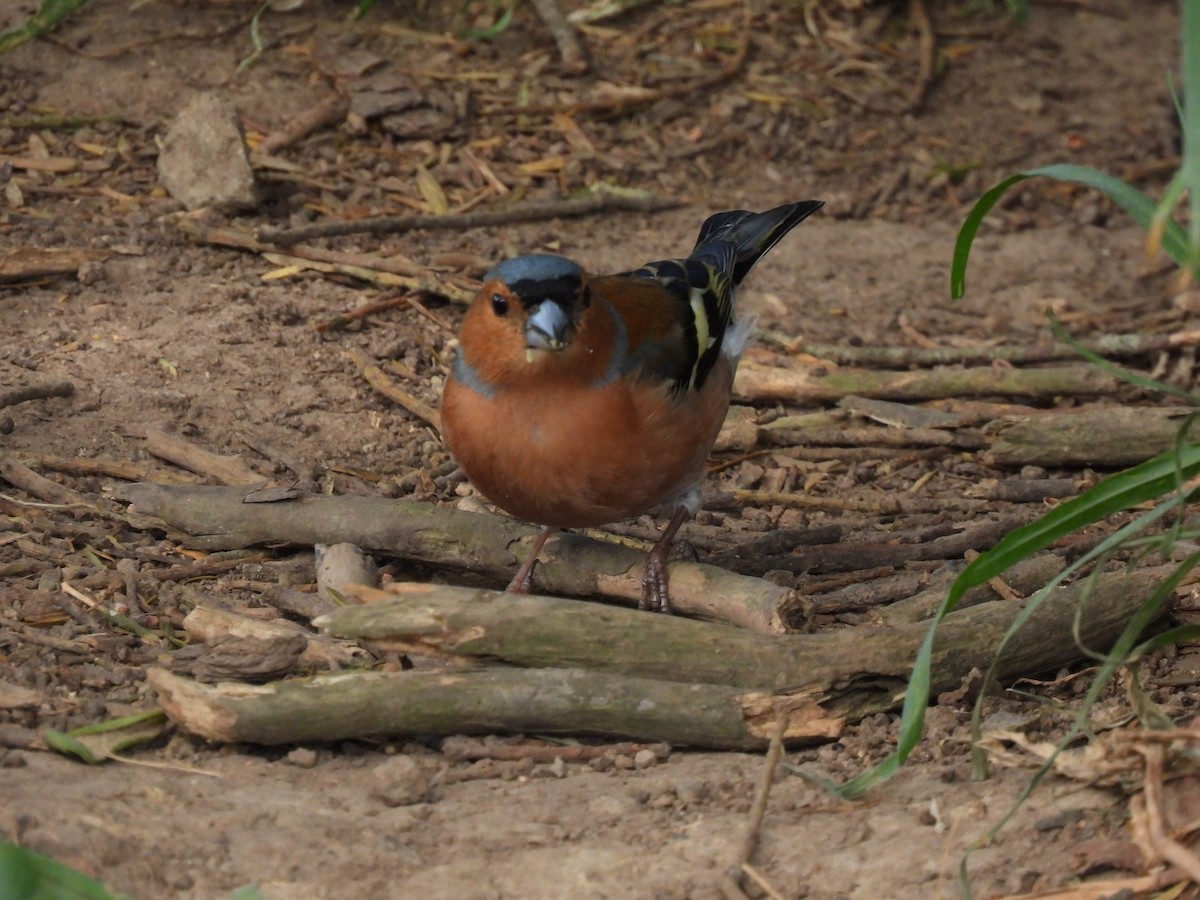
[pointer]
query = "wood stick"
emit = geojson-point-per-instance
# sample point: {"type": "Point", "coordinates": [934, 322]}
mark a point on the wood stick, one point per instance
{"type": "Point", "coordinates": [530, 630]}
{"type": "Point", "coordinates": [36, 392]}
{"type": "Point", "coordinates": [599, 202]}
{"type": "Point", "coordinates": [39, 486]}
{"type": "Point", "coordinates": [383, 270]}
{"type": "Point", "coordinates": [1109, 436]}
{"type": "Point", "coordinates": [480, 701]}
{"type": "Point", "coordinates": [1108, 345]}
{"type": "Point", "coordinates": [29, 263]}
{"type": "Point", "coordinates": [757, 382]}
{"type": "Point", "coordinates": [818, 682]}
{"type": "Point", "coordinates": [329, 111]}
{"type": "Point", "coordinates": [229, 470]}
{"type": "Point", "coordinates": [215, 518]}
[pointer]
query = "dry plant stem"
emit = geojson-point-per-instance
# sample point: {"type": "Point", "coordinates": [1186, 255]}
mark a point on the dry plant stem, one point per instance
{"type": "Point", "coordinates": [757, 382]}
{"type": "Point", "coordinates": [918, 17]}
{"type": "Point", "coordinates": [391, 273]}
{"type": "Point", "coordinates": [573, 56]}
{"type": "Point", "coordinates": [1164, 845]}
{"type": "Point", "coordinates": [902, 357]}
{"type": "Point", "coordinates": [228, 470]}
{"type": "Point", "coordinates": [215, 518]}
{"type": "Point", "coordinates": [1107, 436]}
{"type": "Point", "coordinates": [591, 205]}
{"type": "Point", "coordinates": [758, 808]}
{"type": "Point", "coordinates": [36, 392]}
{"type": "Point", "coordinates": [632, 676]}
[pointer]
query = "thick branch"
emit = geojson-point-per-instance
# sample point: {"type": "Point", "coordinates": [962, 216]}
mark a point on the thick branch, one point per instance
{"type": "Point", "coordinates": [627, 674]}
{"type": "Point", "coordinates": [1103, 436]}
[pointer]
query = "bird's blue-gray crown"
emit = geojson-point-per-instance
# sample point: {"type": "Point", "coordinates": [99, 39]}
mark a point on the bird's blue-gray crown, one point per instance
{"type": "Point", "coordinates": [538, 277]}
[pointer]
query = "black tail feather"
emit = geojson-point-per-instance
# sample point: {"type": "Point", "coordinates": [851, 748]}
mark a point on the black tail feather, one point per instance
{"type": "Point", "coordinates": [754, 233]}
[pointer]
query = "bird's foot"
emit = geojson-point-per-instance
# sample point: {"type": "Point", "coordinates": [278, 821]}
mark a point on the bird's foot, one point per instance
{"type": "Point", "coordinates": [654, 583]}
{"type": "Point", "coordinates": [521, 584]}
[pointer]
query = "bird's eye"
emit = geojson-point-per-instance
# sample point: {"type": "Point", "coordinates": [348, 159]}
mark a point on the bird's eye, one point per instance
{"type": "Point", "coordinates": [499, 305]}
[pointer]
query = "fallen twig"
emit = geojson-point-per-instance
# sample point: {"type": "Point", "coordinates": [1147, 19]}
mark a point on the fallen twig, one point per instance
{"type": "Point", "coordinates": [329, 111]}
{"type": "Point", "coordinates": [376, 377]}
{"type": "Point", "coordinates": [918, 18]}
{"type": "Point", "coordinates": [573, 56]}
{"type": "Point", "coordinates": [39, 486]}
{"type": "Point", "coordinates": [758, 808]}
{"type": "Point", "coordinates": [757, 382]}
{"type": "Point", "coordinates": [901, 357]}
{"type": "Point", "coordinates": [225, 469]}
{"type": "Point", "coordinates": [598, 202]}
{"type": "Point", "coordinates": [36, 392]}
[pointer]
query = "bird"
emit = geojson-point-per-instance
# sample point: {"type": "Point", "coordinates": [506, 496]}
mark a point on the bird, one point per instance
{"type": "Point", "coordinates": [576, 401]}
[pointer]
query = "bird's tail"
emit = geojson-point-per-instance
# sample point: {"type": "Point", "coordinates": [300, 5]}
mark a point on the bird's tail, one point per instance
{"type": "Point", "coordinates": [752, 234]}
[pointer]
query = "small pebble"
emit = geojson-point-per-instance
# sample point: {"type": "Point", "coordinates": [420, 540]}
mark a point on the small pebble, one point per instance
{"type": "Point", "coordinates": [623, 762]}
{"type": "Point", "coordinates": [304, 757]}
{"type": "Point", "coordinates": [691, 792]}
{"type": "Point", "coordinates": [400, 781]}
{"type": "Point", "coordinates": [645, 759]}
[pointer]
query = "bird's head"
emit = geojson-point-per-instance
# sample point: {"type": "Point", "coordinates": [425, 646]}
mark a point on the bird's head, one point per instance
{"type": "Point", "coordinates": [541, 298]}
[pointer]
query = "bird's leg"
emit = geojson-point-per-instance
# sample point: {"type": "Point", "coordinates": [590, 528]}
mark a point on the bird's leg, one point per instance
{"type": "Point", "coordinates": [523, 580]}
{"type": "Point", "coordinates": [654, 581]}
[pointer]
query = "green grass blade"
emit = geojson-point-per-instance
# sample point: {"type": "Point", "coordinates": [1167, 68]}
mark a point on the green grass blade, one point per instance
{"type": "Point", "coordinates": [1143, 482]}
{"type": "Point", "coordinates": [1116, 371]}
{"type": "Point", "coordinates": [49, 14]}
{"type": "Point", "coordinates": [1130, 199]}
{"type": "Point", "coordinates": [25, 875]}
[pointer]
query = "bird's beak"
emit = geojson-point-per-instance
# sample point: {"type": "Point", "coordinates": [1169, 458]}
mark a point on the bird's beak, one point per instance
{"type": "Point", "coordinates": [548, 328]}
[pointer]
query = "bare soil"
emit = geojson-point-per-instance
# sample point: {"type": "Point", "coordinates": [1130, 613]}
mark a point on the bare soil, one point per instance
{"type": "Point", "coordinates": [166, 332]}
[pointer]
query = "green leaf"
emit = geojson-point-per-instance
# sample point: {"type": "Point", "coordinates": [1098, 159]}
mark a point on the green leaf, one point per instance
{"type": "Point", "coordinates": [1130, 199]}
{"type": "Point", "coordinates": [25, 875]}
{"type": "Point", "coordinates": [96, 743]}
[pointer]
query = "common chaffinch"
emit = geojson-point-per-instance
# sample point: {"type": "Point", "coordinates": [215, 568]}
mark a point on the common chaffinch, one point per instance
{"type": "Point", "coordinates": [576, 401]}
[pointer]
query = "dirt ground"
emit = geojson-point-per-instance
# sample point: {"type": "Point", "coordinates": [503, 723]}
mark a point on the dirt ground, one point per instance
{"type": "Point", "coordinates": [829, 102]}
